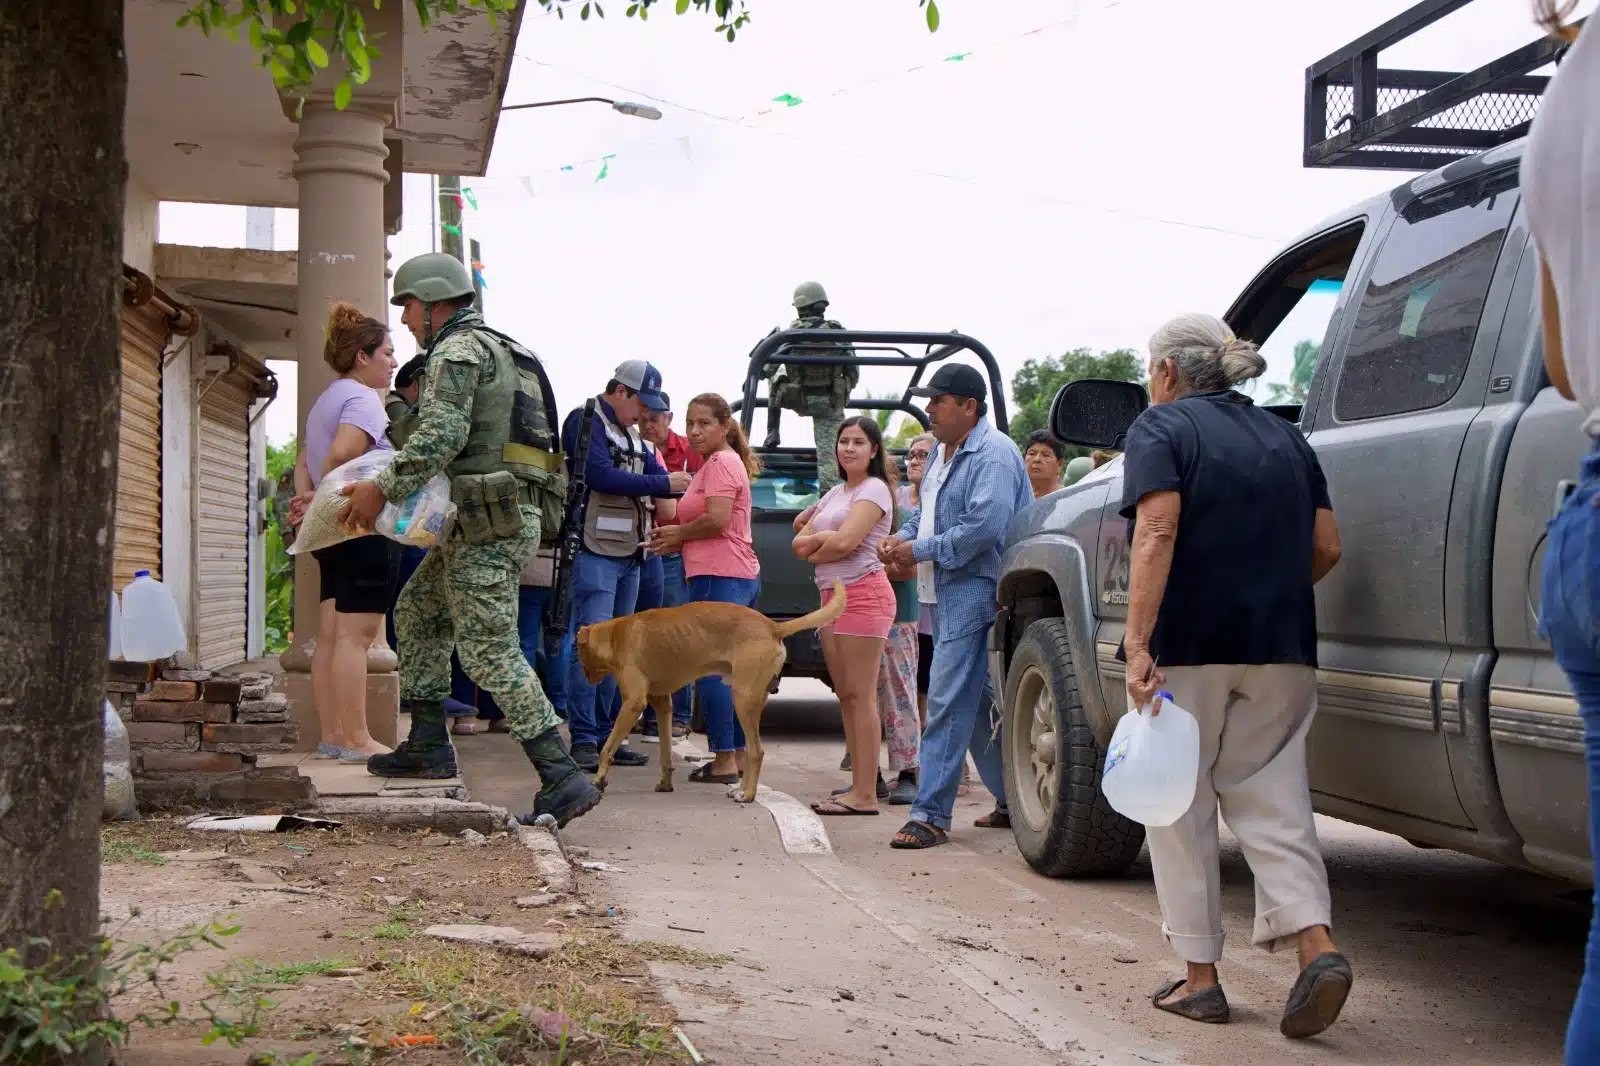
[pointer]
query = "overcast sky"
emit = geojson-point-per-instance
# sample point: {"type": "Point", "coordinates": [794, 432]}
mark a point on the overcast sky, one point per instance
{"type": "Point", "coordinates": [1070, 187]}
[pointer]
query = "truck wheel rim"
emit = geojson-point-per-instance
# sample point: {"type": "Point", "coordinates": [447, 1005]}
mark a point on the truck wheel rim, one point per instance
{"type": "Point", "coordinates": [1034, 749]}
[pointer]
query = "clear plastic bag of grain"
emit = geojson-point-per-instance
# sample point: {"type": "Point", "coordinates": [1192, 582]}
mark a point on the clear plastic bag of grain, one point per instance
{"type": "Point", "coordinates": [421, 520]}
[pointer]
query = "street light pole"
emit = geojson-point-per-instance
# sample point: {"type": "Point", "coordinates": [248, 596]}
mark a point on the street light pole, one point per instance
{"type": "Point", "coordinates": [626, 107]}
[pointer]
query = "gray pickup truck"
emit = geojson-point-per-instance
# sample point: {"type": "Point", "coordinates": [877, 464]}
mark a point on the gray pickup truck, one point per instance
{"type": "Point", "coordinates": [1443, 716]}
{"type": "Point", "coordinates": [787, 484]}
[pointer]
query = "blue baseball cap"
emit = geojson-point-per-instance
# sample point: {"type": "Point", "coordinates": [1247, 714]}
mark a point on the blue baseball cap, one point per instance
{"type": "Point", "coordinates": [643, 379]}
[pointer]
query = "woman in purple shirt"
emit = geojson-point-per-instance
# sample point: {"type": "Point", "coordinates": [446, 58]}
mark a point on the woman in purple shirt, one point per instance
{"type": "Point", "coordinates": [358, 576]}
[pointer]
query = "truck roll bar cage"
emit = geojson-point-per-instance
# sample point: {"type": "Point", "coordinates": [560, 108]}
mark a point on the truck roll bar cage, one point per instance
{"type": "Point", "coordinates": [937, 348]}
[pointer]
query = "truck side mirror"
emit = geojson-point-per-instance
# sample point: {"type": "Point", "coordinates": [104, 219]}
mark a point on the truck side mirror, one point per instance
{"type": "Point", "coordinates": [1096, 412]}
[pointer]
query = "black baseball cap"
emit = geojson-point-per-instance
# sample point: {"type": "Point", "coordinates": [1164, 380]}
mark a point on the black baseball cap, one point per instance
{"type": "Point", "coordinates": [955, 379]}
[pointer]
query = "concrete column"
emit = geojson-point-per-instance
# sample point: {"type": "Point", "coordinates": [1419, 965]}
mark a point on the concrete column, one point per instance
{"type": "Point", "coordinates": [340, 169]}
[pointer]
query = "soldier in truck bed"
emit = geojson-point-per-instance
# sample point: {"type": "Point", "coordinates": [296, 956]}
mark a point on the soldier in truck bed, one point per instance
{"type": "Point", "coordinates": [809, 389]}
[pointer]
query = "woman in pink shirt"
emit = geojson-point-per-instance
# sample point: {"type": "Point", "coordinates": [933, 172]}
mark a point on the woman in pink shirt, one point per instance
{"type": "Point", "coordinates": [719, 558]}
{"type": "Point", "coordinates": [839, 534]}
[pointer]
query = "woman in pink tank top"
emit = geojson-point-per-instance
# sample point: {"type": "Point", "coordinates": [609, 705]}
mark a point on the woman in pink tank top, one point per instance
{"type": "Point", "coordinates": [839, 534]}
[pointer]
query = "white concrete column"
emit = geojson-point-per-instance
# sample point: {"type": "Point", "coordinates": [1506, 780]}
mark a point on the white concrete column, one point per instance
{"type": "Point", "coordinates": [342, 251]}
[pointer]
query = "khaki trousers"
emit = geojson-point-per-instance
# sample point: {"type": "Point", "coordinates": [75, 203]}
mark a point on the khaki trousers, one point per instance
{"type": "Point", "coordinates": [1253, 724]}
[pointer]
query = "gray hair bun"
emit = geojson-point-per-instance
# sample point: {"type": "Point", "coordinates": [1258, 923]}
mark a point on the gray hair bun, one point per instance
{"type": "Point", "coordinates": [1208, 357]}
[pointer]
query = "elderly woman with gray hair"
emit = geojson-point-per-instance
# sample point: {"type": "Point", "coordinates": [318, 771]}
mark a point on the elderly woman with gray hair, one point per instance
{"type": "Point", "coordinates": [1231, 528]}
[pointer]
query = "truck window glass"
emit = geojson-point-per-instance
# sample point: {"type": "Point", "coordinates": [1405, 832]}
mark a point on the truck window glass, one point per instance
{"type": "Point", "coordinates": [1418, 318]}
{"type": "Point", "coordinates": [1287, 312]}
{"type": "Point", "coordinates": [778, 492]}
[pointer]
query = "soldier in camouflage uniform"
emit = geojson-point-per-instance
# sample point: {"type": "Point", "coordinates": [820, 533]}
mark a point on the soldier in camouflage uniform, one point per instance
{"type": "Point", "coordinates": [486, 417]}
{"type": "Point", "coordinates": [817, 391]}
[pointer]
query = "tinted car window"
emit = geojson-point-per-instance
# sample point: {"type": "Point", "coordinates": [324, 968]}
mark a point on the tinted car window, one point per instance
{"type": "Point", "coordinates": [1418, 318]}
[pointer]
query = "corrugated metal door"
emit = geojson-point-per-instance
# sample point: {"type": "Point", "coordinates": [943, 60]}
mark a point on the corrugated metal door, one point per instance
{"type": "Point", "coordinates": [137, 539]}
{"type": "Point", "coordinates": [222, 524]}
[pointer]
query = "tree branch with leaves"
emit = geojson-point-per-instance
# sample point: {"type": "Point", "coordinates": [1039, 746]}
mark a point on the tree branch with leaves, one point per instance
{"type": "Point", "coordinates": [296, 40]}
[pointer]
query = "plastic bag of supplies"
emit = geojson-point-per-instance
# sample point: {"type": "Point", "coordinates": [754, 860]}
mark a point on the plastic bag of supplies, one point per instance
{"type": "Point", "coordinates": [421, 520]}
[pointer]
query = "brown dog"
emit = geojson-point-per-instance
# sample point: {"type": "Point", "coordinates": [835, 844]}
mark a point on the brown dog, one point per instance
{"type": "Point", "coordinates": [652, 654]}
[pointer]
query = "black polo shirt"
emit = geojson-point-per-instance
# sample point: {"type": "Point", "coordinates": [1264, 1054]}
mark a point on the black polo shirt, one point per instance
{"type": "Point", "coordinates": [1240, 587]}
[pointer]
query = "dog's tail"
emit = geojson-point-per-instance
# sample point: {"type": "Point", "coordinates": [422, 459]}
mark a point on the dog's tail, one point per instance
{"type": "Point", "coordinates": [828, 612]}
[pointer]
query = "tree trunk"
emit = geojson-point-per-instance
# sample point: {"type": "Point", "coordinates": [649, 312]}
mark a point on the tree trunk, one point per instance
{"type": "Point", "coordinates": [63, 83]}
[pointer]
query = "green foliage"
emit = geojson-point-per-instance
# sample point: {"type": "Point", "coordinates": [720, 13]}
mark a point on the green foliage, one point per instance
{"type": "Point", "coordinates": [1034, 386]}
{"type": "Point", "coordinates": [64, 1008]}
{"type": "Point", "coordinates": [1305, 362]}
{"type": "Point", "coordinates": [731, 15]}
{"type": "Point", "coordinates": [279, 565]}
{"type": "Point", "coordinates": [296, 39]}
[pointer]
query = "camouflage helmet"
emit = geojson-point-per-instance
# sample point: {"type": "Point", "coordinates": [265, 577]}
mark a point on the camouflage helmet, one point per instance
{"type": "Point", "coordinates": [431, 278]}
{"type": "Point", "coordinates": [809, 292]}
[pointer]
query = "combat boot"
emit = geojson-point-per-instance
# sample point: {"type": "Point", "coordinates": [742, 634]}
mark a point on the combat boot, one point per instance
{"type": "Point", "coordinates": [567, 791]}
{"type": "Point", "coordinates": [426, 752]}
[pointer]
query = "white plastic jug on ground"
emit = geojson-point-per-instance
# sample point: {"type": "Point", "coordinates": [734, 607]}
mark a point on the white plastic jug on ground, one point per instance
{"type": "Point", "coordinates": [118, 800]}
{"type": "Point", "coordinates": [151, 628]}
{"type": "Point", "coordinates": [115, 651]}
{"type": "Point", "coordinates": [1153, 764]}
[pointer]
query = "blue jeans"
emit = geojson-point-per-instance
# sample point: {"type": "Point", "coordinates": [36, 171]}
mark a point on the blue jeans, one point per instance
{"type": "Point", "coordinates": [1570, 619]}
{"type": "Point", "coordinates": [531, 622]}
{"type": "Point", "coordinates": [662, 584]}
{"type": "Point", "coordinates": [960, 709]}
{"type": "Point", "coordinates": [723, 732]}
{"type": "Point", "coordinates": [602, 589]}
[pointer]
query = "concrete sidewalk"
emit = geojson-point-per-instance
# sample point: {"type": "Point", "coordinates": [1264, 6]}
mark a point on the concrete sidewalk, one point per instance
{"type": "Point", "coordinates": [830, 964]}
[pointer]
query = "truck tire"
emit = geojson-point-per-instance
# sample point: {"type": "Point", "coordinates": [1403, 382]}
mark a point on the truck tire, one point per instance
{"type": "Point", "coordinates": [1061, 821]}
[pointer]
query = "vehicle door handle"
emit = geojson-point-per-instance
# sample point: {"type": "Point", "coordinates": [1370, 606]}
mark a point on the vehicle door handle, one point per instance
{"type": "Point", "coordinates": [1564, 488]}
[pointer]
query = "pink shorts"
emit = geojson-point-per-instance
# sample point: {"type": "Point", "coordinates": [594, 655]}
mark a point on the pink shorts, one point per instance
{"type": "Point", "coordinates": [869, 608]}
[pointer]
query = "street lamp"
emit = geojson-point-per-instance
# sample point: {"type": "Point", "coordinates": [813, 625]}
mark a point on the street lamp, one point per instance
{"type": "Point", "coordinates": [626, 107]}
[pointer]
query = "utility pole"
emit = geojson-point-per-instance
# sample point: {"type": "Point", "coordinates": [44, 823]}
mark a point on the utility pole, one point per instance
{"type": "Point", "coordinates": [449, 198]}
{"type": "Point", "coordinates": [477, 278]}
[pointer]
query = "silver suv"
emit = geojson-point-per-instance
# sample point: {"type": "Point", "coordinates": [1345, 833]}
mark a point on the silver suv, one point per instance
{"type": "Point", "coordinates": [1443, 716]}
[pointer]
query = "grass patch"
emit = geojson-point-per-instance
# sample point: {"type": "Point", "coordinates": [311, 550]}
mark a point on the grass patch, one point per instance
{"type": "Point", "coordinates": [250, 972]}
{"type": "Point", "coordinates": [126, 849]}
{"type": "Point", "coordinates": [392, 931]}
{"type": "Point", "coordinates": [493, 1009]}
{"type": "Point", "coordinates": [661, 951]}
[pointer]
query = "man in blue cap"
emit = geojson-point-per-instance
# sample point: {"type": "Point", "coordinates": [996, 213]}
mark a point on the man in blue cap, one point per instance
{"type": "Point", "coordinates": [623, 477]}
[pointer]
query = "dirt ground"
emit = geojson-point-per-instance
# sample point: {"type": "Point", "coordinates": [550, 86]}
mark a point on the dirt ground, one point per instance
{"type": "Point", "coordinates": [323, 952]}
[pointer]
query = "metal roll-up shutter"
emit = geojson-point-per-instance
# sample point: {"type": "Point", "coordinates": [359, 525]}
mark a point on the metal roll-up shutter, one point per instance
{"type": "Point", "coordinates": [137, 540]}
{"type": "Point", "coordinates": [222, 523]}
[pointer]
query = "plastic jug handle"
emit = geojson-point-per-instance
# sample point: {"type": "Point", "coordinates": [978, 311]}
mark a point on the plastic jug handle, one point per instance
{"type": "Point", "coordinates": [1154, 706]}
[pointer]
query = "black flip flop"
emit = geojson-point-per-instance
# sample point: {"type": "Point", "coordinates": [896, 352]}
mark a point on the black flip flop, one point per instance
{"type": "Point", "coordinates": [1317, 997]}
{"type": "Point", "coordinates": [702, 775]}
{"type": "Point", "coordinates": [1207, 1005]}
{"type": "Point", "coordinates": [923, 836]}
{"type": "Point", "coordinates": [839, 810]}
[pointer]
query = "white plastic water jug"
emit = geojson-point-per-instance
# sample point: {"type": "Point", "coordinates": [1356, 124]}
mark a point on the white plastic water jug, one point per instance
{"type": "Point", "coordinates": [118, 799]}
{"type": "Point", "coordinates": [1153, 764]}
{"type": "Point", "coordinates": [115, 651]}
{"type": "Point", "coordinates": [151, 628]}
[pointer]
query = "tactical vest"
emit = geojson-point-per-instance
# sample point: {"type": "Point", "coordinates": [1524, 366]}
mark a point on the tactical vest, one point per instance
{"type": "Point", "coordinates": [402, 419]}
{"type": "Point", "coordinates": [614, 526]}
{"type": "Point", "coordinates": [814, 377]}
{"type": "Point", "coordinates": [513, 420]}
